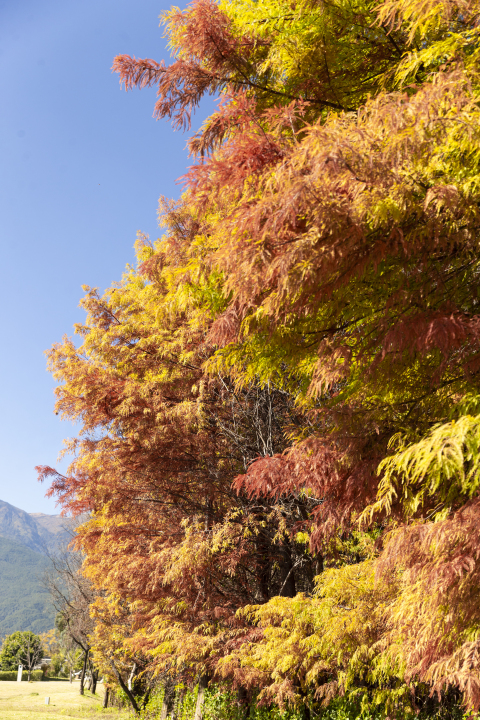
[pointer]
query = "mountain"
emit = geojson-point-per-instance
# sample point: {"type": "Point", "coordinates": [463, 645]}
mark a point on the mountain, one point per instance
{"type": "Point", "coordinates": [17, 525]}
{"type": "Point", "coordinates": [24, 603]}
{"type": "Point", "coordinates": [39, 532]}
{"type": "Point", "coordinates": [53, 529]}
{"type": "Point", "coordinates": [25, 542]}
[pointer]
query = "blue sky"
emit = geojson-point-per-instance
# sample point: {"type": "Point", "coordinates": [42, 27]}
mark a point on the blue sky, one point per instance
{"type": "Point", "coordinates": [82, 167]}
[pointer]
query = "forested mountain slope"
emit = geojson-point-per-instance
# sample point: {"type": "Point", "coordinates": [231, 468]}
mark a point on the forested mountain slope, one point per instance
{"type": "Point", "coordinates": [24, 604]}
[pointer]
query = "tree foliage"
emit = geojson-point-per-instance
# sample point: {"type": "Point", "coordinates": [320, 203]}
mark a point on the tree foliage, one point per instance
{"type": "Point", "coordinates": [279, 408]}
{"type": "Point", "coordinates": [21, 648]}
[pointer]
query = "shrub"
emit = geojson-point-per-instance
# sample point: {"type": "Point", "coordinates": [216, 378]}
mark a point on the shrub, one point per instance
{"type": "Point", "coordinates": [12, 675]}
{"type": "Point", "coordinates": [8, 675]}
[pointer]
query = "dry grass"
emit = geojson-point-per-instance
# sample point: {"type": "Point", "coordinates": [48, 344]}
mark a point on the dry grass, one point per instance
{"type": "Point", "coordinates": [26, 701]}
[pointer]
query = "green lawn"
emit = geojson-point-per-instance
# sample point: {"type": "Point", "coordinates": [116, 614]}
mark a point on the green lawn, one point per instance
{"type": "Point", "coordinates": [26, 701]}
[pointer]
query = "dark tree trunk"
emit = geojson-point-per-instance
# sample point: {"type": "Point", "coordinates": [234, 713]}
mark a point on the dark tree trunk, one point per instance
{"type": "Point", "coordinates": [264, 551]}
{"type": "Point", "coordinates": [244, 702]}
{"type": "Point", "coordinates": [287, 577]}
{"type": "Point", "coordinates": [105, 697]}
{"type": "Point", "coordinates": [146, 697]}
{"type": "Point", "coordinates": [125, 688]}
{"type": "Point", "coordinates": [94, 681]}
{"type": "Point", "coordinates": [82, 674]}
{"type": "Point", "coordinates": [312, 570]}
{"type": "Point", "coordinates": [306, 714]}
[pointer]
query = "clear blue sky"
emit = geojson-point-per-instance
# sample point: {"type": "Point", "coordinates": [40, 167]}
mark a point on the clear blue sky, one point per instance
{"type": "Point", "coordinates": [82, 167]}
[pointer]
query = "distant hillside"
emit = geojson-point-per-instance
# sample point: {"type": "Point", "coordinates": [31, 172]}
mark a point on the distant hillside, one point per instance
{"type": "Point", "coordinates": [17, 525]}
{"type": "Point", "coordinates": [24, 604]}
{"type": "Point", "coordinates": [53, 529]}
{"type": "Point", "coordinates": [39, 532]}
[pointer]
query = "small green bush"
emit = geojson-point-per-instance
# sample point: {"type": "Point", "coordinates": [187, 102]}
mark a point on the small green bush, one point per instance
{"type": "Point", "coordinates": [36, 675]}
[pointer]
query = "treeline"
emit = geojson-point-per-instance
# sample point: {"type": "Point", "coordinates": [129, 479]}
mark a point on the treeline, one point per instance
{"type": "Point", "coordinates": [279, 406]}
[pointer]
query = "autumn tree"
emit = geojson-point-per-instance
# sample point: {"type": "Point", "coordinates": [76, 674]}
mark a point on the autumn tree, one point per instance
{"type": "Point", "coordinates": [182, 512]}
{"type": "Point", "coordinates": [287, 387]}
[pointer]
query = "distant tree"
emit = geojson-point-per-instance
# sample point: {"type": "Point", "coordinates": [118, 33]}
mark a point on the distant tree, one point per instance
{"type": "Point", "coordinates": [50, 642]}
{"type": "Point", "coordinates": [57, 664]}
{"type": "Point", "coordinates": [72, 594]}
{"type": "Point", "coordinates": [31, 652]}
{"type": "Point", "coordinates": [21, 648]}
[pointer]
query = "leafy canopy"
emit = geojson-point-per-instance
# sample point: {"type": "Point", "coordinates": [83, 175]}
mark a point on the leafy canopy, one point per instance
{"type": "Point", "coordinates": [16, 645]}
{"type": "Point", "coordinates": [279, 406]}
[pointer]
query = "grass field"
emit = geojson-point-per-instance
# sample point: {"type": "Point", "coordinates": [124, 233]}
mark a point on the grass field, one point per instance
{"type": "Point", "coordinates": [26, 701]}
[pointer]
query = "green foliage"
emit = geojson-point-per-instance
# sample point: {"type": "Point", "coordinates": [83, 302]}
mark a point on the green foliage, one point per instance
{"type": "Point", "coordinates": [37, 675]}
{"type": "Point", "coordinates": [220, 704]}
{"type": "Point", "coordinates": [56, 664]}
{"type": "Point", "coordinates": [339, 39]}
{"type": "Point", "coordinates": [223, 704]}
{"type": "Point", "coordinates": [15, 645]}
{"type": "Point", "coordinates": [444, 464]}
{"type": "Point", "coordinates": [8, 675]}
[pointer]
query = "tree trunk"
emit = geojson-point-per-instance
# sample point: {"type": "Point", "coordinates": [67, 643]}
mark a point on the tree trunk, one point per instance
{"type": "Point", "coordinates": [306, 713]}
{"type": "Point", "coordinates": [132, 675]}
{"type": "Point", "coordinates": [287, 577]}
{"type": "Point", "coordinates": [177, 711]}
{"type": "Point", "coordinates": [312, 570]}
{"type": "Point", "coordinates": [94, 681]}
{"type": "Point", "coordinates": [243, 701]}
{"type": "Point", "coordinates": [146, 698]}
{"type": "Point", "coordinates": [202, 686]}
{"type": "Point", "coordinates": [105, 698]}
{"type": "Point", "coordinates": [125, 689]}
{"type": "Point", "coordinates": [71, 675]}
{"type": "Point", "coordinates": [82, 674]}
{"type": "Point", "coordinates": [264, 551]}
{"type": "Point", "coordinates": [168, 701]}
